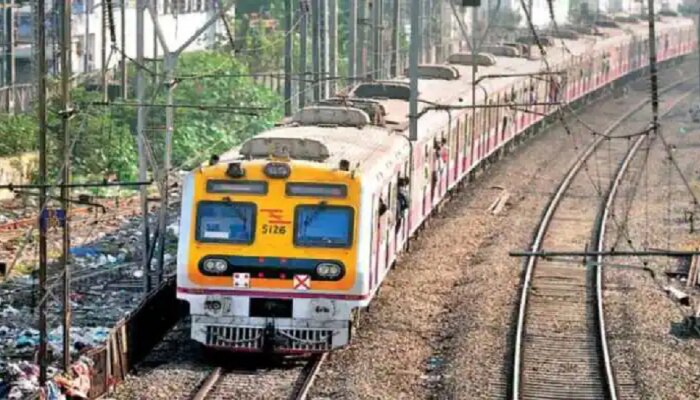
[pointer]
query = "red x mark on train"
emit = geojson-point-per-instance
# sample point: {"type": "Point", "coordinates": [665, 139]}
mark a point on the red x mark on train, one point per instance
{"type": "Point", "coordinates": [302, 282]}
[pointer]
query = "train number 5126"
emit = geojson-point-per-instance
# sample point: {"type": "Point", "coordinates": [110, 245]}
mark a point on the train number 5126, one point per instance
{"type": "Point", "coordinates": [274, 229]}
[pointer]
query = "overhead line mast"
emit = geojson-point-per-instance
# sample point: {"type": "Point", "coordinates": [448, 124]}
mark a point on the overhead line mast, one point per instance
{"type": "Point", "coordinates": [66, 114]}
{"type": "Point", "coordinates": [41, 115]}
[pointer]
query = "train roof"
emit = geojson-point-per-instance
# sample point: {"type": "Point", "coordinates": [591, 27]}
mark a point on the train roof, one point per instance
{"type": "Point", "coordinates": [372, 148]}
{"type": "Point", "coordinates": [458, 92]}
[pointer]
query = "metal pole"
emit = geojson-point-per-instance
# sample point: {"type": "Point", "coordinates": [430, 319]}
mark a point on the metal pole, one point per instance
{"type": "Point", "coordinates": [141, 141]}
{"type": "Point", "coordinates": [653, 70]}
{"type": "Point", "coordinates": [154, 5]}
{"type": "Point", "coordinates": [11, 71]}
{"type": "Point", "coordinates": [475, 51]}
{"type": "Point", "coordinates": [169, 61]}
{"type": "Point", "coordinates": [416, 34]}
{"type": "Point", "coordinates": [325, 54]}
{"type": "Point", "coordinates": [333, 46]}
{"type": "Point", "coordinates": [288, 58]}
{"type": "Point", "coordinates": [316, 48]}
{"type": "Point", "coordinates": [376, 40]}
{"type": "Point", "coordinates": [103, 41]}
{"type": "Point", "coordinates": [352, 41]}
{"type": "Point", "coordinates": [395, 45]}
{"type": "Point", "coordinates": [303, 41]}
{"type": "Point", "coordinates": [428, 34]}
{"type": "Point", "coordinates": [86, 58]}
{"type": "Point", "coordinates": [66, 54]}
{"type": "Point", "coordinates": [124, 71]}
{"type": "Point", "coordinates": [697, 48]}
{"type": "Point", "coordinates": [41, 115]}
{"type": "Point", "coordinates": [3, 36]}
{"type": "Point", "coordinates": [361, 68]}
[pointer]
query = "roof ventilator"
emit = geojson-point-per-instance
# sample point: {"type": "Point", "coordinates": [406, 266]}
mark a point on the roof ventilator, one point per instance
{"type": "Point", "coordinates": [284, 147]}
{"type": "Point", "coordinates": [626, 19]}
{"type": "Point", "coordinates": [568, 34]}
{"type": "Point", "coordinates": [607, 23]}
{"type": "Point", "coordinates": [382, 90]}
{"type": "Point", "coordinates": [331, 116]}
{"type": "Point", "coordinates": [502, 50]}
{"type": "Point", "coordinates": [432, 71]}
{"type": "Point", "coordinates": [531, 40]}
{"type": "Point", "coordinates": [374, 109]}
{"type": "Point", "coordinates": [481, 59]}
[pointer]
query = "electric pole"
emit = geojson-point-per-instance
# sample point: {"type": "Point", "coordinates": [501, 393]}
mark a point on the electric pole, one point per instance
{"type": "Point", "coordinates": [41, 116]}
{"type": "Point", "coordinates": [361, 68]}
{"type": "Point", "coordinates": [316, 47]}
{"type": "Point", "coordinates": [395, 45]}
{"type": "Point", "coordinates": [653, 69]}
{"type": "Point", "coordinates": [103, 38]}
{"type": "Point", "coordinates": [428, 34]}
{"type": "Point", "coordinates": [698, 34]}
{"type": "Point", "coordinates": [325, 56]}
{"type": "Point", "coordinates": [86, 52]}
{"type": "Point", "coordinates": [376, 39]}
{"type": "Point", "coordinates": [124, 81]}
{"type": "Point", "coordinates": [303, 41]}
{"type": "Point", "coordinates": [288, 57]}
{"type": "Point", "coordinates": [10, 56]}
{"type": "Point", "coordinates": [141, 141]}
{"type": "Point", "coordinates": [333, 47]}
{"type": "Point", "coordinates": [352, 41]}
{"type": "Point", "coordinates": [414, 48]}
{"type": "Point", "coordinates": [66, 54]}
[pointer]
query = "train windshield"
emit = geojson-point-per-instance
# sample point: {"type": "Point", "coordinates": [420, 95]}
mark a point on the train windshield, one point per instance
{"type": "Point", "coordinates": [323, 226]}
{"type": "Point", "coordinates": [225, 222]}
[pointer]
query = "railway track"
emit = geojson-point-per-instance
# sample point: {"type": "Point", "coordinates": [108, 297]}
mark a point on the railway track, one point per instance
{"type": "Point", "coordinates": [560, 345]}
{"type": "Point", "coordinates": [293, 383]}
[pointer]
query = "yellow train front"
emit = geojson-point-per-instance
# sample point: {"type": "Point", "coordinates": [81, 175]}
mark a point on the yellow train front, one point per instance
{"type": "Point", "coordinates": [267, 256]}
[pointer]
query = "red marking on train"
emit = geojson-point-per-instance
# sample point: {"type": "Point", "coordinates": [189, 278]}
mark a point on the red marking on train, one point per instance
{"type": "Point", "coordinates": [302, 282]}
{"type": "Point", "coordinates": [275, 216]}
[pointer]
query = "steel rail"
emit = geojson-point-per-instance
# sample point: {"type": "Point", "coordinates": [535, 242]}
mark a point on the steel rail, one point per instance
{"type": "Point", "coordinates": [300, 392]}
{"type": "Point", "coordinates": [311, 370]}
{"type": "Point", "coordinates": [208, 384]}
{"type": "Point", "coordinates": [541, 232]}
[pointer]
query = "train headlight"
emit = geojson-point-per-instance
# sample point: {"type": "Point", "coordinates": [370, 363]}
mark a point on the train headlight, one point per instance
{"type": "Point", "coordinates": [277, 170]}
{"type": "Point", "coordinates": [215, 266]}
{"type": "Point", "coordinates": [329, 270]}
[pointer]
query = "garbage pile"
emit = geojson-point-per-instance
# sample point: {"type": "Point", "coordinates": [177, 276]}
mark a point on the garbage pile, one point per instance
{"type": "Point", "coordinates": [25, 381]}
{"type": "Point", "coordinates": [106, 288]}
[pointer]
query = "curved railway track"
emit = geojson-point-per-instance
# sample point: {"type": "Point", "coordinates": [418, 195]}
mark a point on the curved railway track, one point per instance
{"type": "Point", "coordinates": [292, 384]}
{"type": "Point", "coordinates": [560, 346]}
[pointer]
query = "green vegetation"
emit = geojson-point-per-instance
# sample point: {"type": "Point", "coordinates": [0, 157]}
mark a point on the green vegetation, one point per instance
{"type": "Point", "coordinates": [104, 136]}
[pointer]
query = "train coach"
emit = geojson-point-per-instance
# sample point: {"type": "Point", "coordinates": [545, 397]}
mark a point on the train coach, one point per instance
{"type": "Point", "coordinates": [285, 239]}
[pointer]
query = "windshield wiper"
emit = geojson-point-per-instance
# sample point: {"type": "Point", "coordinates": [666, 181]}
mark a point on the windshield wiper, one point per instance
{"type": "Point", "coordinates": [237, 211]}
{"type": "Point", "coordinates": [310, 218]}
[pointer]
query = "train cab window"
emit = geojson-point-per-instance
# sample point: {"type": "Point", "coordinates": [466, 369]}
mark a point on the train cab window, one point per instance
{"type": "Point", "coordinates": [223, 222]}
{"type": "Point", "coordinates": [323, 226]}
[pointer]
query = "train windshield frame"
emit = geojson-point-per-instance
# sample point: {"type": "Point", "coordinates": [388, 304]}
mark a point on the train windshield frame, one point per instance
{"type": "Point", "coordinates": [226, 222]}
{"type": "Point", "coordinates": [320, 225]}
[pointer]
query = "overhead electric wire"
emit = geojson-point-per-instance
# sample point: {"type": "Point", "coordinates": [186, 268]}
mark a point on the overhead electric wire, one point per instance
{"type": "Point", "coordinates": [558, 111]}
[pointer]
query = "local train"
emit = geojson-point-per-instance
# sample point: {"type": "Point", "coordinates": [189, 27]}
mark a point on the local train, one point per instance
{"type": "Point", "coordinates": [285, 239]}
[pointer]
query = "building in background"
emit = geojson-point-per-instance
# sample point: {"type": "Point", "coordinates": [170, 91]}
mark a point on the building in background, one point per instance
{"type": "Point", "coordinates": [178, 19]}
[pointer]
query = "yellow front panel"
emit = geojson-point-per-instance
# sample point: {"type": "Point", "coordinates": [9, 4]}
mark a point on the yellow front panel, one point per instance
{"type": "Point", "coordinates": [274, 224]}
